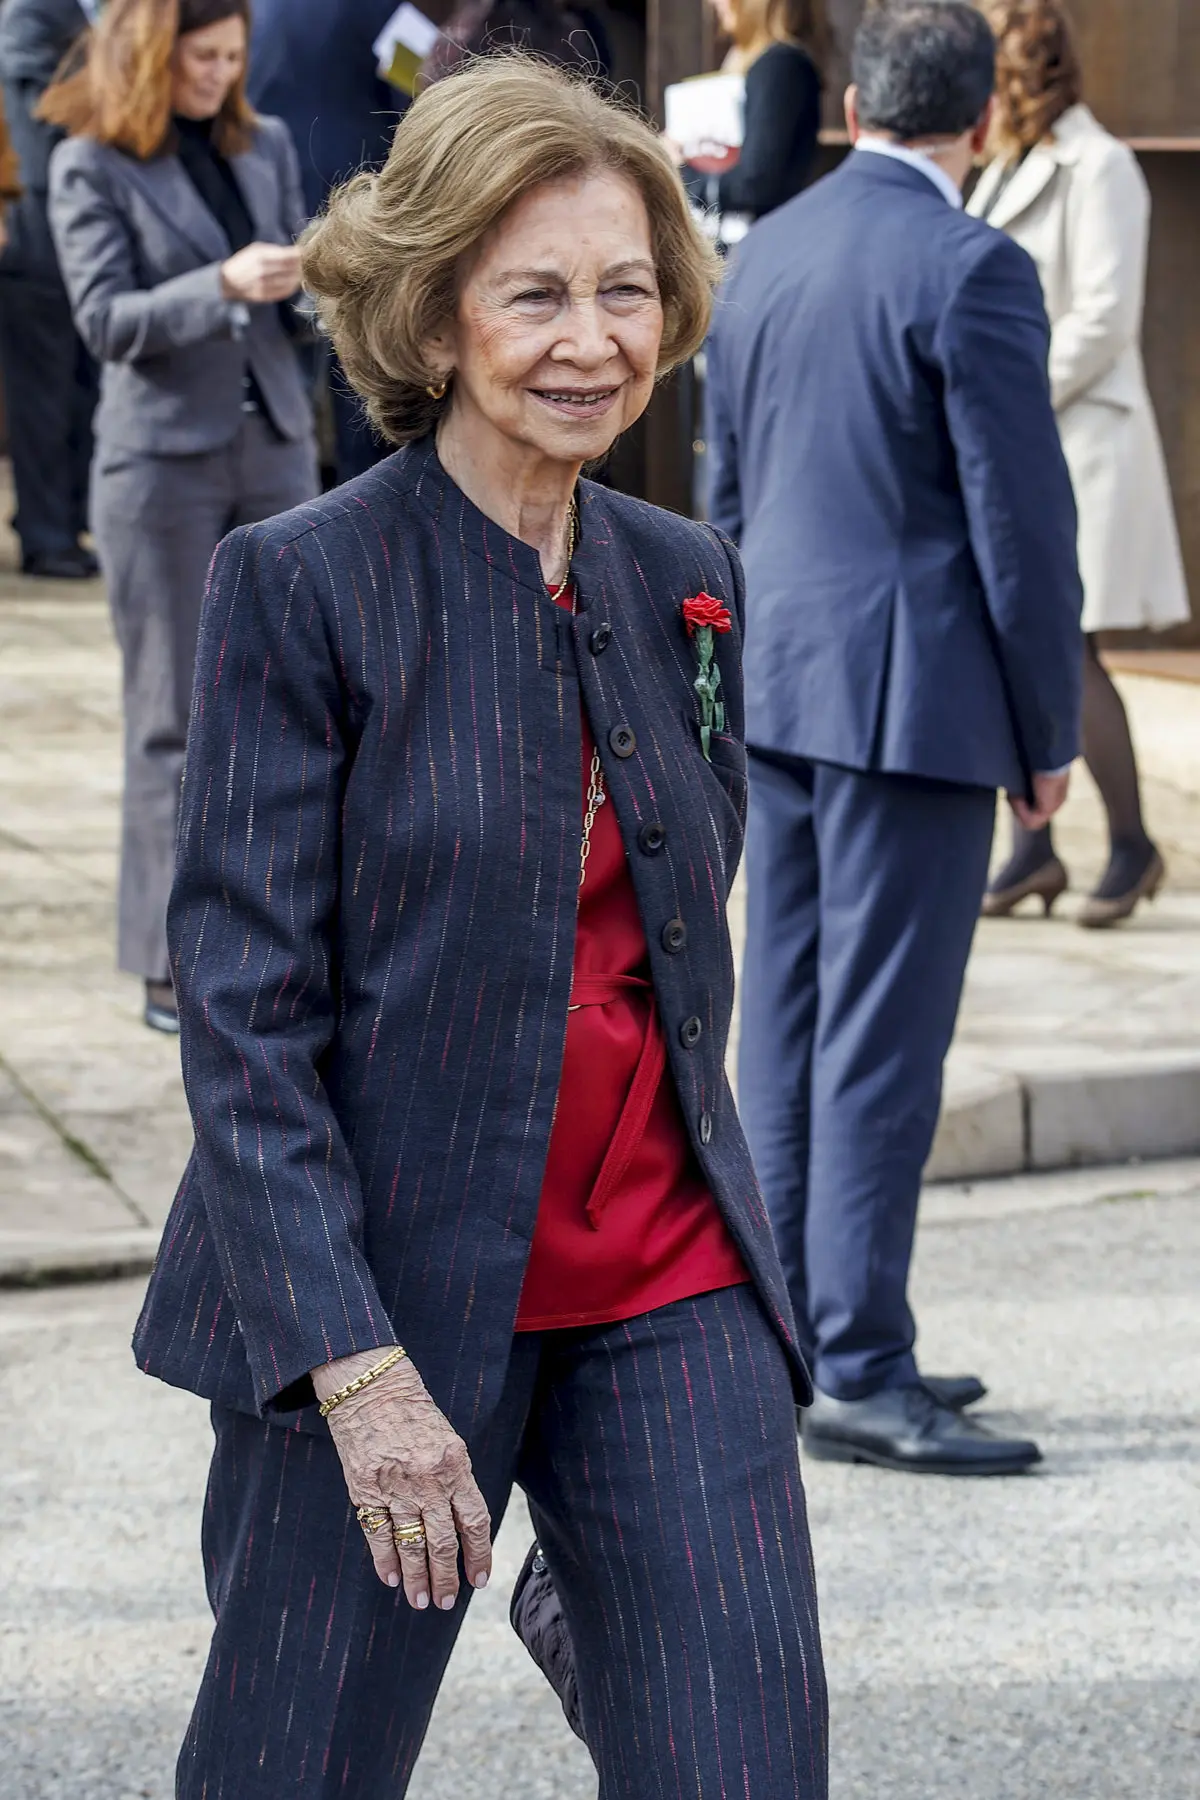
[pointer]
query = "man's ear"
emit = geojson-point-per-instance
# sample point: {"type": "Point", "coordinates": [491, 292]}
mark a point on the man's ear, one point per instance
{"type": "Point", "coordinates": [851, 104]}
{"type": "Point", "coordinates": [982, 131]}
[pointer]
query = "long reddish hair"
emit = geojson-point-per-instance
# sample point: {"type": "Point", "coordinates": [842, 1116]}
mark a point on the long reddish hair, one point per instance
{"type": "Point", "coordinates": [1038, 73]}
{"type": "Point", "coordinates": [115, 86]}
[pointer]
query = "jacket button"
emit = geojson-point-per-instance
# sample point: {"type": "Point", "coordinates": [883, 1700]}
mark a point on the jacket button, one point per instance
{"type": "Point", "coordinates": [651, 839]}
{"type": "Point", "coordinates": [674, 936]}
{"type": "Point", "coordinates": [600, 639]}
{"type": "Point", "coordinates": [621, 741]}
{"type": "Point", "coordinates": [705, 1128]}
{"type": "Point", "coordinates": [690, 1033]}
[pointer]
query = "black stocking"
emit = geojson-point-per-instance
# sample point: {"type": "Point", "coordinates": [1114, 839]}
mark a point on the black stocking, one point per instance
{"type": "Point", "coordinates": [1108, 752]}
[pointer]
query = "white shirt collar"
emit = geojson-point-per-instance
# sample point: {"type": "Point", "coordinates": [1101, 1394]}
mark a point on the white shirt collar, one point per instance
{"type": "Point", "coordinates": [915, 159]}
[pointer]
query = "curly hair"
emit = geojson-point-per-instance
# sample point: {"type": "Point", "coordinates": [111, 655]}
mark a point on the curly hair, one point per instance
{"type": "Point", "coordinates": [1038, 74]}
{"type": "Point", "coordinates": [383, 260]}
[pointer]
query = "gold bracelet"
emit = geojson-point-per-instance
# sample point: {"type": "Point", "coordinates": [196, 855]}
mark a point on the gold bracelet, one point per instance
{"type": "Point", "coordinates": [361, 1381]}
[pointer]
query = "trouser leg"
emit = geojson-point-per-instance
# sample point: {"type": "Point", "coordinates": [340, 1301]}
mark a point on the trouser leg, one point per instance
{"type": "Point", "coordinates": [779, 1003]}
{"type": "Point", "coordinates": [903, 865]}
{"type": "Point", "coordinates": [45, 405]}
{"type": "Point", "coordinates": [157, 522]}
{"type": "Point", "coordinates": [661, 1466]}
{"type": "Point", "coordinates": [320, 1680]}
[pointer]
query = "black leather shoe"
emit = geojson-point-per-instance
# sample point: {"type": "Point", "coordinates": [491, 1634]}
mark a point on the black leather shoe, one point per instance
{"type": "Point", "coordinates": [955, 1391]}
{"type": "Point", "coordinates": [61, 565]}
{"type": "Point", "coordinates": [161, 1012]}
{"type": "Point", "coordinates": [909, 1430]}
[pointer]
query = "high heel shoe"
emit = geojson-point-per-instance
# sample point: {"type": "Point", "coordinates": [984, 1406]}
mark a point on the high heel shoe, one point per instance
{"type": "Point", "coordinates": [1097, 914]}
{"type": "Point", "coordinates": [1048, 883]}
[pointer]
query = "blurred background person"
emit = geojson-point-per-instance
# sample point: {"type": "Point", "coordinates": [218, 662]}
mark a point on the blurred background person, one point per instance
{"type": "Point", "coordinates": [49, 377]}
{"type": "Point", "coordinates": [780, 47]}
{"type": "Point", "coordinates": [313, 65]}
{"type": "Point", "coordinates": [10, 175]}
{"type": "Point", "coordinates": [1076, 200]}
{"type": "Point", "coordinates": [562, 31]}
{"type": "Point", "coordinates": [175, 211]}
{"type": "Point", "coordinates": [885, 451]}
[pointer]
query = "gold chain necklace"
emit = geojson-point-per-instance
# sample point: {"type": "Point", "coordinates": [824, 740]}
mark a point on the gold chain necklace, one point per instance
{"type": "Point", "coordinates": [596, 795]}
{"type": "Point", "coordinates": [557, 593]}
{"type": "Point", "coordinates": [595, 800]}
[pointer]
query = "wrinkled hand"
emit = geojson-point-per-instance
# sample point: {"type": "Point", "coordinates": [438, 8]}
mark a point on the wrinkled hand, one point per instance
{"type": "Point", "coordinates": [1049, 793]}
{"type": "Point", "coordinates": [399, 1451]}
{"type": "Point", "coordinates": [261, 273]}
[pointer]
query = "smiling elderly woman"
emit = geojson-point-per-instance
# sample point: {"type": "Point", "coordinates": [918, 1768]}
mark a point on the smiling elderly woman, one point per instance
{"type": "Point", "coordinates": [463, 807]}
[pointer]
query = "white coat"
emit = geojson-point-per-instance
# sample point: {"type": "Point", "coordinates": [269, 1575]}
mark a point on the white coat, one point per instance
{"type": "Point", "coordinates": [1080, 206]}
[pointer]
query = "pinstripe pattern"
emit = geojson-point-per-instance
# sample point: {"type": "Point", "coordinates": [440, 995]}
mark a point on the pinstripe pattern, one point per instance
{"type": "Point", "coordinates": [659, 1456]}
{"type": "Point", "coordinates": [373, 921]}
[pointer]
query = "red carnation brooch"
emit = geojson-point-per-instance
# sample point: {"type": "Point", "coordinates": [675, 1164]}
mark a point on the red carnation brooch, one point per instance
{"type": "Point", "coordinates": [703, 616]}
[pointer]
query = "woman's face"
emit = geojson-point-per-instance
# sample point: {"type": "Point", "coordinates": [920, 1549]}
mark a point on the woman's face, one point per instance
{"type": "Point", "coordinates": [206, 65]}
{"type": "Point", "coordinates": [555, 344]}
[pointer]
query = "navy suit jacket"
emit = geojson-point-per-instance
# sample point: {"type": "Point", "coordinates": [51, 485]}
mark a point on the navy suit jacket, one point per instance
{"type": "Point", "coordinates": [311, 64]}
{"type": "Point", "coordinates": [373, 921]}
{"type": "Point", "coordinates": [885, 453]}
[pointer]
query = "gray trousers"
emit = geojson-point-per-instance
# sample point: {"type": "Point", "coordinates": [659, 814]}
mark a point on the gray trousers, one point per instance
{"type": "Point", "coordinates": [157, 521]}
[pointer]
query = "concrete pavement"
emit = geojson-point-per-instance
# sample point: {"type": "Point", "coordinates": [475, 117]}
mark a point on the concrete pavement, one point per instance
{"type": "Point", "coordinates": [1008, 1640]}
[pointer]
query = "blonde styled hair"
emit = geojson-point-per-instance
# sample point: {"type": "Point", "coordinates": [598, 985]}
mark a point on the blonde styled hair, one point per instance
{"type": "Point", "coordinates": [383, 261]}
{"type": "Point", "coordinates": [1038, 74]}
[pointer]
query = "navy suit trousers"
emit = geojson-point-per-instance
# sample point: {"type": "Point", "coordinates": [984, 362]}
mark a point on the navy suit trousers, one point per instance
{"type": "Point", "coordinates": [863, 892]}
{"type": "Point", "coordinates": [659, 1457]}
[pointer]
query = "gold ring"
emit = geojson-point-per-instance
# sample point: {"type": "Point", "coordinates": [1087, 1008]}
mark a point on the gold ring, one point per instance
{"type": "Point", "coordinates": [373, 1518]}
{"type": "Point", "coordinates": [409, 1537]}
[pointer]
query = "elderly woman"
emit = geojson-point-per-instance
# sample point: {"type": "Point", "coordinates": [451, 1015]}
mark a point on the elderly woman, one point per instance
{"type": "Point", "coordinates": [463, 807]}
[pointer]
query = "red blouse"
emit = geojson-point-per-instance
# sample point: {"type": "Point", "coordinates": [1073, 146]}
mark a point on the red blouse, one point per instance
{"type": "Point", "coordinates": [626, 1221]}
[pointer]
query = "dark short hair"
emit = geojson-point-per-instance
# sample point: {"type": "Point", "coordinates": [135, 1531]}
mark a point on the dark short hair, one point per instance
{"type": "Point", "coordinates": [923, 68]}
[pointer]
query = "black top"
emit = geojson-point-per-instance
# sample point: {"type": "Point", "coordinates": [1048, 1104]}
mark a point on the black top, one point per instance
{"type": "Point", "coordinates": [213, 178]}
{"type": "Point", "coordinates": [782, 119]}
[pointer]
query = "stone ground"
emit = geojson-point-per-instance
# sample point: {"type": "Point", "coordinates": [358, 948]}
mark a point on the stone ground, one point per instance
{"type": "Point", "coordinates": [1009, 1640]}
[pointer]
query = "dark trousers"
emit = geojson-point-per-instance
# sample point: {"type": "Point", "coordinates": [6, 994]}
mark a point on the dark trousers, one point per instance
{"type": "Point", "coordinates": [158, 520]}
{"type": "Point", "coordinates": [863, 892]}
{"type": "Point", "coordinates": [659, 1458]}
{"type": "Point", "coordinates": [50, 389]}
{"type": "Point", "coordinates": [357, 444]}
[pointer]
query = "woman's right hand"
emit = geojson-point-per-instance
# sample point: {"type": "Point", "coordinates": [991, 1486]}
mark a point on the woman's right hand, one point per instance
{"type": "Point", "coordinates": [261, 273]}
{"type": "Point", "coordinates": [400, 1452]}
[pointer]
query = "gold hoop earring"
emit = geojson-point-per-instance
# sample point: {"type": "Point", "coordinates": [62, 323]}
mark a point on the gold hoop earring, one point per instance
{"type": "Point", "coordinates": [436, 390]}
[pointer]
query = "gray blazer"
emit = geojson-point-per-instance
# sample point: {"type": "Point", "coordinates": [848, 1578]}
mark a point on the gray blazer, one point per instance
{"type": "Point", "coordinates": [141, 256]}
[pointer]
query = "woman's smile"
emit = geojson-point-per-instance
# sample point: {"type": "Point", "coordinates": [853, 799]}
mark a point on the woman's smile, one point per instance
{"type": "Point", "coordinates": [579, 402]}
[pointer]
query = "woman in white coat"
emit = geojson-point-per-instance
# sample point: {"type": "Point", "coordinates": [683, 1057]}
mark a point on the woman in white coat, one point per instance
{"type": "Point", "coordinates": [1074, 197]}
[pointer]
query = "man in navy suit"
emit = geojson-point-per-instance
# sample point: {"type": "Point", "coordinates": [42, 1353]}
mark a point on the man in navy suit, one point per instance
{"type": "Point", "coordinates": [886, 454]}
{"type": "Point", "coordinates": [312, 64]}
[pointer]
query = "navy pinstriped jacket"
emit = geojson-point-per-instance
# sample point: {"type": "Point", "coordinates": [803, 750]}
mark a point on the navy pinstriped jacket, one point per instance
{"type": "Point", "coordinates": [373, 922]}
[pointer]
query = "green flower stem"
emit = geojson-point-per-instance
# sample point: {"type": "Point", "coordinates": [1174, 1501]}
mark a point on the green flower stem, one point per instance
{"type": "Point", "coordinates": [707, 684]}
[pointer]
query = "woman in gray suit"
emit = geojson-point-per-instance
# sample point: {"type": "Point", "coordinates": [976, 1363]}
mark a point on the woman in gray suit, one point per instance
{"type": "Point", "coordinates": [175, 210]}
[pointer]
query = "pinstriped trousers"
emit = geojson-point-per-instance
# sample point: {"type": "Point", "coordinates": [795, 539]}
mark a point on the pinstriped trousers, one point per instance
{"type": "Point", "coordinates": [659, 1458]}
